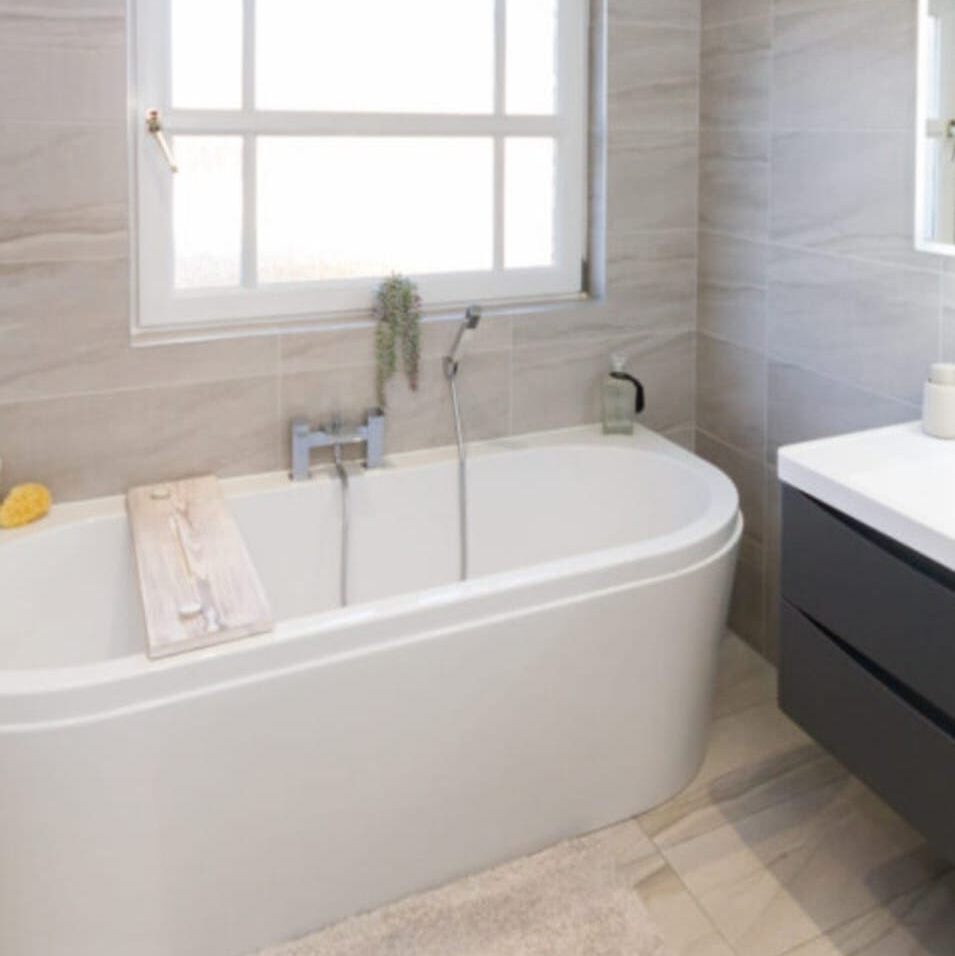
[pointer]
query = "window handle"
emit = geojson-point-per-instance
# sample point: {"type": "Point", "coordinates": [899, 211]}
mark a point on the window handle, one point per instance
{"type": "Point", "coordinates": [154, 128]}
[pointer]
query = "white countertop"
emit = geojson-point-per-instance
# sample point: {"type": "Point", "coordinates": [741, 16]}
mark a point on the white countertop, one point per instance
{"type": "Point", "coordinates": [896, 480]}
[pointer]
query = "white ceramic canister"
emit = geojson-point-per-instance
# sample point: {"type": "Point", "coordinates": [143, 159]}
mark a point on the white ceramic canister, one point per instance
{"type": "Point", "coordinates": [938, 409]}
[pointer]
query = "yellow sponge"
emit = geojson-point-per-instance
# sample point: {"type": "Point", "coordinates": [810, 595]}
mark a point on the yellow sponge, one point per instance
{"type": "Point", "coordinates": [24, 504]}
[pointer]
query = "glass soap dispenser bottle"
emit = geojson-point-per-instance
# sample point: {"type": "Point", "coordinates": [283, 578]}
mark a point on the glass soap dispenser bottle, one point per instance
{"type": "Point", "coordinates": [620, 409]}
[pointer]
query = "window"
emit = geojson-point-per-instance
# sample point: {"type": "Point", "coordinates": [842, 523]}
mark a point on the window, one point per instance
{"type": "Point", "coordinates": [323, 144]}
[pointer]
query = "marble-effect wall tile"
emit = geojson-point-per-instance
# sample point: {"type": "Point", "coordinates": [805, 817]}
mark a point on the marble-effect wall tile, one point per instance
{"type": "Point", "coordinates": [96, 444]}
{"type": "Point", "coordinates": [652, 180]}
{"type": "Point", "coordinates": [734, 182]}
{"type": "Point", "coordinates": [653, 77]}
{"type": "Point", "coordinates": [746, 472]}
{"type": "Point", "coordinates": [863, 323]}
{"type": "Point", "coordinates": [845, 66]}
{"type": "Point", "coordinates": [731, 402]}
{"type": "Point", "coordinates": [721, 12]}
{"type": "Point", "coordinates": [846, 193]}
{"type": "Point", "coordinates": [807, 265]}
{"type": "Point", "coordinates": [76, 398]}
{"type": "Point", "coordinates": [733, 289]}
{"type": "Point", "coordinates": [63, 192]}
{"type": "Point", "coordinates": [673, 12]}
{"type": "Point", "coordinates": [561, 384]}
{"type": "Point", "coordinates": [735, 74]}
{"type": "Point", "coordinates": [803, 406]}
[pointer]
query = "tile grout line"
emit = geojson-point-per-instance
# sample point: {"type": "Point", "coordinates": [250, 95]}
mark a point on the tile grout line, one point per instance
{"type": "Point", "coordinates": [764, 554]}
{"type": "Point", "coordinates": [884, 907]}
{"type": "Point", "coordinates": [704, 912]}
{"type": "Point", "coordinates": [822, 253]}
{"type": "Point", "coordinates": [661, 850]}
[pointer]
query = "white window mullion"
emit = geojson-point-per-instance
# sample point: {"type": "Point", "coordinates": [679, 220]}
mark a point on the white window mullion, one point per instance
{"type": "Point", "coordinates": [249, 153]}
{"type": "Point", "coordinates": [250, 257]}
{"type": "Point", "coordinates": [571, 177]}
{"type": "Point", "coordinates": [500, 110]}
{"type": "Point", "coordinates": [277, 123]}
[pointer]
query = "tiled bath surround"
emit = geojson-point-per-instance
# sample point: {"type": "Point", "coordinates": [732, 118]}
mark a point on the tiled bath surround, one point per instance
{"type": "Point", "coordinates": [816, 315]}
{"type": "Point", "coordinates": [87, 413]}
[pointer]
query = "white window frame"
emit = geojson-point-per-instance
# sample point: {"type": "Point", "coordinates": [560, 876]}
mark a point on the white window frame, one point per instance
{"type": "Point", "coordinates": [158, 306]}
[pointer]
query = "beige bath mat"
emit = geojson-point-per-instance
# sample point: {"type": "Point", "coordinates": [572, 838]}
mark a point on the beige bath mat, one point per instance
{"type": "Point", "coordinates": [575, 899]}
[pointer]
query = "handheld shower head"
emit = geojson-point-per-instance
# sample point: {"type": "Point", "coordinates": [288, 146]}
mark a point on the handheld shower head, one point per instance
{"type": "Point", "coordinates": [471, 319]}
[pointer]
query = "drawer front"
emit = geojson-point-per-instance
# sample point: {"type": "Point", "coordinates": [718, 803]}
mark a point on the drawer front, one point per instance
{"type": "Point", "coordinates": [879, 736]}
{"type": "Point", "coordinates": [898, 615]}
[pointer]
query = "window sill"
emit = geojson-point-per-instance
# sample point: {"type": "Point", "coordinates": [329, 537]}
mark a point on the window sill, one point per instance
{"type": "Point", "coordinates": [177, 335]}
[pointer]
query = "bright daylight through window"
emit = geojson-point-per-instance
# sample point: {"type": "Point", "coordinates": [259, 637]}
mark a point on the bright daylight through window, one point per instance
{"type": "Point", "coordinates": [303, 149]}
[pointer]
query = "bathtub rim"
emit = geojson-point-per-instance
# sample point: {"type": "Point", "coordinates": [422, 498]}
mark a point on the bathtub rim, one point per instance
{"type": "Point", "coordinates": [53, 703]}
{"type": "Point", "coordinates": [89, 510]}
{"type": "Point", "coordinates": [641, 563]}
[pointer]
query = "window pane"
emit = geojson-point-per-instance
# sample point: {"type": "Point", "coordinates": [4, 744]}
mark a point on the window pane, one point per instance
{"type": "Point", "coordinates": [343, 207]}
{"type": "Point", "coordinates": [207, 217]}
{"type": "Point", "coordinates": [529, 198]}
{"type": "Point", "coordinates": [532, 56]}
{"type": "Point", "coordinates": [376, 55]}
{"type": "Point", "coordinates": [207, 54]}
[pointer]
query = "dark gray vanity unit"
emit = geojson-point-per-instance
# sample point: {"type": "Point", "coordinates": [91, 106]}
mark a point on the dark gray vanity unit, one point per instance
{"type": "Point", "coordinates": [867, 637]}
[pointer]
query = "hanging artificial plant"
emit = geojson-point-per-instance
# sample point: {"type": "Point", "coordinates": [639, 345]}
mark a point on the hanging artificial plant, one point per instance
{"type": "Point", "coordinates": [398, 322]}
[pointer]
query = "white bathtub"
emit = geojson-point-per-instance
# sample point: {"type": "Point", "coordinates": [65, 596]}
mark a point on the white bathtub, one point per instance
{"type": "Point", "coordinates": [211, 804]}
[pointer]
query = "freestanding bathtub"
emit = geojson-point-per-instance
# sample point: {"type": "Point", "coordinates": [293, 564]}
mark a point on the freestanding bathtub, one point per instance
{"type": "Point", "coordinates": [211, 804]}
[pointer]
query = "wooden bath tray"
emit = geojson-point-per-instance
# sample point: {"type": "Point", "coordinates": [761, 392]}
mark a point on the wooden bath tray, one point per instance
{"type": "Point", "coordinates": [198, 584]}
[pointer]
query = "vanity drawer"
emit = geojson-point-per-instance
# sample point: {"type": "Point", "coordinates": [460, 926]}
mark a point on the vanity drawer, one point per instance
{"type": "Point", "coordinates": [881, 737]}
{"type": "Point", "coordinates": [893, 606]}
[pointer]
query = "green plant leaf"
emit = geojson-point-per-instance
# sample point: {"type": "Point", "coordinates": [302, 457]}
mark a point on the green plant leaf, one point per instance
{"type": "Point", "coordinates": [398, 319]}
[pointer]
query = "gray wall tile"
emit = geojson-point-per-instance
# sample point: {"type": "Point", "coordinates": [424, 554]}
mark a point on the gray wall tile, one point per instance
{"type": "Point", "coordinates": [64, 330]}
{"type": "Point", "coordinates": [561, 384]}
{"type": "Point", "coordinates": [673, 12]}
{"type": "Point", "coordinates": [771, 567]}
{"type": "Point", "coordinates": [748, 609]}
{"type": "Point", "coordinates": [652, 180]}
{"type": "Point", "coordinates": [719, 12]}
{"type": "Point", "coordinates": [96, 444]}
{"type": "Point", "coordinates": [846, 192]}
{"type": "Point", "coordinates": [734, 285]}
{"type": "Point", "coordinates": [735, 71]}
{"type": "Point", "coordinates": [747, 473]}
{"type": "Point", "coordinates": [66, 364]}
{"type": "Point", "coordinates": [731, 394]}
{"type": "Point", "coordinates": [822, 298]}
{"type": "Point", "coordinates": [846, 66]}
{"type": "Point", "coordinates": [734, 182]}
{"type": "Point", "coordinates": [803, 405]}
{"type": "Point", "coordinates": [948, 314]}
{"type": "Point", "coordinates": [63, 62]}
{"type": "Point", "coordinates": [653, 77]}
{"type": "Point", "coordinates": [63, 192]}
{"type": "Point", "coordinates": [683, 435]}
{"type": "Point", "coordinates": [652, 279]}
{"type": "Point", "coordinates": [864, 323]}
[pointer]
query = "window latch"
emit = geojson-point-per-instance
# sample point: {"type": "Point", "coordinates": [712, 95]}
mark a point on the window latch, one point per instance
{"type": "Point", "coordinates": [154, 128]}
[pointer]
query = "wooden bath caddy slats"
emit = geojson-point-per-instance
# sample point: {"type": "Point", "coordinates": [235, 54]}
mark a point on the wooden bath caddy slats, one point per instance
{"type": "Point", "coordinates": [198, 584]}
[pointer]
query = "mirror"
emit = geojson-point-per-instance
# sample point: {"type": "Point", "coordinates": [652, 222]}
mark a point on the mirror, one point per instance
{"type": "Point", "coordinates": [935, 128]}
